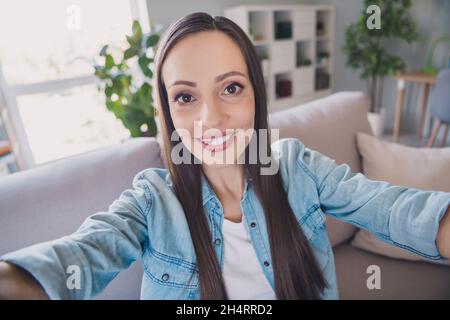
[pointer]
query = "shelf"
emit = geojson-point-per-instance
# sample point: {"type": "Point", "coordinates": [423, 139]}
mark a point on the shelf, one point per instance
{"type": "Point", "coordinates": [299, 43]}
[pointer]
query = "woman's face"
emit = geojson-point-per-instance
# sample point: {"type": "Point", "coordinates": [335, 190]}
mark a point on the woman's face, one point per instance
{"type": "Point", "coordinates": [211, 97]}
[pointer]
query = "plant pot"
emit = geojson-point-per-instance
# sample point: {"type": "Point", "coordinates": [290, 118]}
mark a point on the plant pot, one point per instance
{"type": "Point", "coordinates": [324, 62]}
{"type": "Point", "coordinates": [377, 122]}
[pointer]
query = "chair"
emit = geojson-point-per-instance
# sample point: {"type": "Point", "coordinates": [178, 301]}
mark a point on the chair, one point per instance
{"type": "Point", "coordinates": [440, 106]}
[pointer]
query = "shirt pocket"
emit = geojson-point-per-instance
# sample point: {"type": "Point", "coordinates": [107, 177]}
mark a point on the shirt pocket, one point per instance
{"type": "Point", "coordinates": [168, 271]}
{"type": "Point", "coordinates": [314, 228]}
{"type": "Point", "coordinates": [312, 221]}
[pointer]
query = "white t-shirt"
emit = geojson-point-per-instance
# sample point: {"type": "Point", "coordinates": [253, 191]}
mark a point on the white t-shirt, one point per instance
{"type": "Point", "coordinates": [242, 273]}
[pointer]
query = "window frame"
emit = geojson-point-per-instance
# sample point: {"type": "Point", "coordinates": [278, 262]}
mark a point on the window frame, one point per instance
{"type": "Point", "coordinates": [9, 111]}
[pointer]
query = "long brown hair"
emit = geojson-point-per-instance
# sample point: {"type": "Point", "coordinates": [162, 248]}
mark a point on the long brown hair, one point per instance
{"type": "Point", "coordinates": [296, 271]}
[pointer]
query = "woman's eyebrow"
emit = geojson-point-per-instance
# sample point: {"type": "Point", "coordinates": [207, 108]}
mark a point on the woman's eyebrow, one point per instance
{"type": "Point", "coordinates": [216, 79]}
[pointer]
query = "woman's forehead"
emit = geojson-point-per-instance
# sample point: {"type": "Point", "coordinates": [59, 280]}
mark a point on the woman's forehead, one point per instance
{"type": "Point", "coordinates": [203, 55]}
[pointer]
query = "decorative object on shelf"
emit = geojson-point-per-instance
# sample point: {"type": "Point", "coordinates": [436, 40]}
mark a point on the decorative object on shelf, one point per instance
{"type": "Point", "coordinates": [322, 79]}
{"type": "Point", "coordinates": [128, 94]}
{"type": "Point", "coordinates": [365, 47]}
{"type": "Point", "coordinates": [303, 56]}
{"type": "Point", "coordinates": [253, 35]}
{"type": "Point", "coordinates": [251, 32]}
{"type": "Point", "coordinates": [322, 58]}
{"type": "Point", "coordinates": [264, 59]}
{"type": "Point", "coordinates": [303, 62]}
{"type": "Point", "coordinates": [320, 29]}
{"type": "Point", "coordinates": [429, 67]}
{"type": "Point", "coordinates": [283, 30]}
{"type": "Point", "coordinates": [284, 88]}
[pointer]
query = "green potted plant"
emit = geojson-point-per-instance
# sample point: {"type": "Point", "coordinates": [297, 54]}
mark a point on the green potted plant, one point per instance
{"type": "Point", "coordinates": [366, 51]}
{"type": "Point", "coordinates": [322, 58]}
{"type": "Point", "coordinates": [127, 83]}
{"type": "Point", "coordinates": [305, 62]}
{"type": "Point", "coordinates": [264, 59]}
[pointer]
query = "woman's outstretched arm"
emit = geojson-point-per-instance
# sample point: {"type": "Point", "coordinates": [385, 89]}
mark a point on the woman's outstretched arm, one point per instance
{"type": "Point", "coordinates": [443, 237]}
{"type": "Point", "coordinates": [80, 265]}
{"type": "Point", "coordinates": [413, 219]}
{"type": "Point", "coordinates": [16, 283]}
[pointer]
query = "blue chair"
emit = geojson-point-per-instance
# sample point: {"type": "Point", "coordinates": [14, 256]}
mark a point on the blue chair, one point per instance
{"type": "Point", "coordinates": [440, 106]}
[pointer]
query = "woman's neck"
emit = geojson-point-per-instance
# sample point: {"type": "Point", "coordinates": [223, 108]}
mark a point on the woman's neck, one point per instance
{"type": "Point", "coordinates": [228, 183]}
{"type": "Point", "coordinates": [226, 180]}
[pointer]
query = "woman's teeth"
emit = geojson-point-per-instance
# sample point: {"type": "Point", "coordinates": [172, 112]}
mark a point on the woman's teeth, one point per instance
{"type": "Point", "coordinates": [217, 141]}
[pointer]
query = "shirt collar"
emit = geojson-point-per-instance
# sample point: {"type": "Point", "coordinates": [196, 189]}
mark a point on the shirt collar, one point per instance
{"type": "Point", "coordinates": [208, 193]}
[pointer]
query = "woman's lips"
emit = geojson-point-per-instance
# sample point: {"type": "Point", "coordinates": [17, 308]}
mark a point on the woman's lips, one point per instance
{"type": "Point", "coordinates": [217, 143]}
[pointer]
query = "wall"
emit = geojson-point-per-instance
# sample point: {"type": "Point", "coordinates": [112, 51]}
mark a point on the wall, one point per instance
{"type": "Point", "coordinates": [167, 11]}
{"type": "Point", "coordinates": [432, 18]}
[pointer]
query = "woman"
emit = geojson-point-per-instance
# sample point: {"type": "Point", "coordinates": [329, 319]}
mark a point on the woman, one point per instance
{"type": "Point", "coordinates": [220, 223]}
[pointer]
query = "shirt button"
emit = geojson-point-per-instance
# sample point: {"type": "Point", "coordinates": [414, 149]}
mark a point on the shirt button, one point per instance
{"type": "Point", "coordinates": [266, 263]}
{"type": "Point", "coordinates": [253, 224]}
{"type": "Point", "coordinates": [165, 277]}
{"type": "Point", "coordinates": [217, 241]}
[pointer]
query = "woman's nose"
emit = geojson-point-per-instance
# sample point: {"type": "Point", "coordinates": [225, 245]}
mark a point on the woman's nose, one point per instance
{"type": "Point", "coordinates": [211, 115]}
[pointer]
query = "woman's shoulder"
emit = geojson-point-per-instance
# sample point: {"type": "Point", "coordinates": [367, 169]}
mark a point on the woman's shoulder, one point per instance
{"type": "Point", "coordinates": [294, 151]}
{"type": "Point", "coordinates": [158, 178]}
{"type": "Point", "coordinates": [150, 187]}
{"type": "Point", "coordinates": [295, 158]}
{"type": "Point", "coordinates": [288, 151]}
{"type": "Point", "coordinates": [287, 145]}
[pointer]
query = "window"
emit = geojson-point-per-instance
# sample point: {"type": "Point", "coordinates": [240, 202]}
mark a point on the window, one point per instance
{"type": "Point", "coordinates": [47, 51]}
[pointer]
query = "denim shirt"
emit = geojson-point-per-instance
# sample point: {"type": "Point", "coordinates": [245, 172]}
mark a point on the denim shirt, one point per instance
{"type": "Point", "coordinates": [147, 223]}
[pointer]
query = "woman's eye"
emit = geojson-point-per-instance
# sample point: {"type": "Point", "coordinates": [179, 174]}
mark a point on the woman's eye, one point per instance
{"type": "Point", "coordinates": [234, 88]}
{"type": "Point", "coordinates": [185, 98]}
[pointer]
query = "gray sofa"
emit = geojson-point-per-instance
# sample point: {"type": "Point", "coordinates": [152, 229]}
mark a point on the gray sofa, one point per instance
{"type": "Point", "coordinates": [52, 200]}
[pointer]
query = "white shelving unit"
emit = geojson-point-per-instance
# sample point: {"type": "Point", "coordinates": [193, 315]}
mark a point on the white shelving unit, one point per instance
{"type": "Point", "coordinates": [299, 43]}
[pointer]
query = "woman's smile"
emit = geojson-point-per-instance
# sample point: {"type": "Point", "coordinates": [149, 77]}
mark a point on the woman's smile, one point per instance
{"type": "Point", "coordinates": [217, 143]}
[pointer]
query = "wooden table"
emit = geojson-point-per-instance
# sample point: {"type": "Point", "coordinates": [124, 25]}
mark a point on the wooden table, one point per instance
{"type": "Point", "coordinates": [418, 77]}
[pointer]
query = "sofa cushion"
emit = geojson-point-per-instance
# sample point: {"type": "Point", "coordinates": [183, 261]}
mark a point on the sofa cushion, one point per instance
{"type": "Point", "coordinates": [421, 168]}
{"type": "Point", "coordinates": [399, 279]}
{"type": "Point", "coordinates": [328, 125]}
